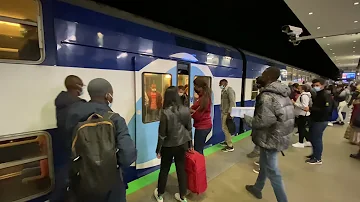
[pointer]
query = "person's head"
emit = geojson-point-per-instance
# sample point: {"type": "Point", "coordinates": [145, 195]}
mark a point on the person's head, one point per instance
{"type": "Point", "coordinates": [203, 90]}
{"type": "Point", "coordinates": [153, 87]}
{"type": "Point", "coordinates": [223, 83]}
{"type": "Point", "coordinates": [171, 97]}
{"type": "Point", "coordinates": [259, 82]}
{"type": "Point", "coordinates": [295, 86]}
{"type": "Point", "coordinates": [181, 90]}
{"type": "Point", "coordinates": [100, 90]}
{"type": "Point", "coordinates": [270, 75]}
{"type": "Point", "coordinates": [319, 84]}
{"type": "Point", "coordinates": [74, 85]}
{"type": "Point", "coordinates": [303, 88]}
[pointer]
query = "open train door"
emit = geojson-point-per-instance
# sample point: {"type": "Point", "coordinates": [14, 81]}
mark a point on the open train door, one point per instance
{"type": "Point", "coordinates": [152, 77]}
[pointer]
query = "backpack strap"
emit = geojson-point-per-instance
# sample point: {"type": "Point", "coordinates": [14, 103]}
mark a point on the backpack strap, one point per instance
{"type": "Point", "coordinates": [108, 115]}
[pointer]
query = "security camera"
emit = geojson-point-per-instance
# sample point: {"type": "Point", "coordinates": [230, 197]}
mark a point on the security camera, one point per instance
{"type": "Point", "coordinates": [292, 32]}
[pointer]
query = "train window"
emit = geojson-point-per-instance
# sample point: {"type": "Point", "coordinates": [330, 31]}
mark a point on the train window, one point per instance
{"type": "Point", "coordinates": [207, 80]}
{"type": "Point", "coordinates": [183, 81]}
{"type": "Point", "coordinates": [19, 35]}
{"type": "Point", "coordinates": [154, 86]}
{"type": "Point", "coordinates": [254, 90]}
{"type": "Point", "coordinates": [25, 166]}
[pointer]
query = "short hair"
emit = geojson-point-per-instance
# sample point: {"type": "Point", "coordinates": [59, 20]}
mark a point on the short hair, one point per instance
{"type": "Point", "coordinates": [305, 87]}
{"type": "Point", "coordinates": [273, 73]}
{"type": "Point", "coordinates": [295, 85]}
{"type": "Point", "coordinates": [181, 87]}
{"type": "Point", "coordinates": [99, 87]}
{"type": "Point", "coordinates": [319, 80]}
{"type": "Point", "coordinates": [223, 80]}
{"type": "Point", "coordinates": [71, 81]}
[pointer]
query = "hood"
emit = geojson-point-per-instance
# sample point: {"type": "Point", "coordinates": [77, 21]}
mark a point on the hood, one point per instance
{"type": "Point", "coordinates": [277, 88]}
{"type": "Point", "coordinates": [65, 99]}
{"type": "Point", "coordinates": [306, 93]}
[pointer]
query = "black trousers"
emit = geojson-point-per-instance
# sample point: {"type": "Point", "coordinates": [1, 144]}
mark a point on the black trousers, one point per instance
{"type": "Point", "coordinates": [302, 123]}
{"type": "Point", "coordinates": [167, 155]}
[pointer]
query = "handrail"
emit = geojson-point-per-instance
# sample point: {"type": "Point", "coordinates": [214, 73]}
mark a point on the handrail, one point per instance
{"type": "Point", "coordinates": [19, 143]}
{"type": "Point", "coordinates": [20, 162]}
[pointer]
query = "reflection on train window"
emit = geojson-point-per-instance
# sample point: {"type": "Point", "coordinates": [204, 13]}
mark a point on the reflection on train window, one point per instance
{"type": "Point", "coordinates": [25, 167]}
{"type": "Point", "coordinates": [154, 86]}
{"type": "Point", "coordinates": [254, 91]}
{"type": "Point", "coordinates": [19, 39]}
{"type": "Point", "coordinates": [207, 80]}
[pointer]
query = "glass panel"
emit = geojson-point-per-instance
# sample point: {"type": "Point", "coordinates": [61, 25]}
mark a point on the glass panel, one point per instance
{"type": "Point", "coordinates": [24, 167]}
{"type": "Point", "coordinates": [18, 31]}
{"type": "Point", "coordinates": [154, 86]}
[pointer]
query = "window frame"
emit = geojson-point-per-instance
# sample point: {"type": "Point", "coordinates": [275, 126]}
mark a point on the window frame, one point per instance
{"type": "Point", "coordinates": [40, 28]}
{"type": "Point", "coordinates": [143, 93]}
{"type": "Point", "coordinates": [24, 161]}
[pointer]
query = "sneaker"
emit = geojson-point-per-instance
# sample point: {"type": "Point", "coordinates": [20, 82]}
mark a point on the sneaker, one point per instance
{"type": "Point", "coordinates": [223, 144]}
{"type": "Point", "coordinates": [314, 161]}
{"type": "Point", "coordinates": [309, 156]}
{"type": "Point", "coordinates": [228, 149]}
{"type": "Point", "coordinates": [298, 145]}
{"type": "Point", "coordinates": [256, 163]}
{"type": "Point", "coordinates": [256, 170]}
{"type": "Point", "coordinates": [330, 124]}
{"type": "Point", "coordinates": [341, 123]}
{"type": "Point", "coordinates": [254, 191]}
{"type": "Point", "coordinates": [157, 197]}
{"type": "Point", "coordinates": [253, 154]}
{"type": "Point", "coordinates": [307, 144]}
{"type": "Point", "coordinates": [178, 198]}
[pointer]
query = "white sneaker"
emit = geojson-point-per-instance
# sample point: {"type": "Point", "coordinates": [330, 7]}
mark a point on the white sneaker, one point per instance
{"type": "Point", "coordinates": [177, 197]}
{"type": "Point", "coordinates": [298, 145]}
{"type": "Point", "coordinates": [330, 124]}
{"type": "Point", "coordinates": [307, 144]}
{"type": "Point", "coordinates": [157, 197]}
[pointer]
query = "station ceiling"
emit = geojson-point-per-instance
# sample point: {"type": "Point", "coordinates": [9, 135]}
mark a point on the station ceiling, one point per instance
{"type": "Point", "coordinates": [253, 26]}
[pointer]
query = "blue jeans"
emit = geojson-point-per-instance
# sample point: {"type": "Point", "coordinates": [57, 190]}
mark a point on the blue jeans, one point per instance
{"type": "Point", "coordinates": [200, 139]}
{"type": "Point", "coordinates": [269, 168]}
{"type": "Point", "coordinates": [316, 134]}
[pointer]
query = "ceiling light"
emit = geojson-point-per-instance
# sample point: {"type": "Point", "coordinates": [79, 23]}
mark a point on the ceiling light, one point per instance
{"type": "Point", "coordinates": [310, 13]}
{"type": "Point", "coordinates": [328, 44]}
{"type": "Point", "coordinates": [354, 47]}
{"type": "Point", "coordinates": [354, 41]}
{"type": "Point", "coordinates": [330, 48]}
{"type": "Point", "coordinates": [318, 28]}
{"type": "Point", "coordinates": [324, 37]}
{"type": "Point", "coordinates": [333, 53]}
{"type": "Point", "coordinates": [355, 21]}
{"type": "Point", "coordinates": [356, 3]}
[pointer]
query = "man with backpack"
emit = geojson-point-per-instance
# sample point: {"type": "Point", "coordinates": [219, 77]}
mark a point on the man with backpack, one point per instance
{"type": "Point", "coordinates": [101, 147]}
{"type": "Point", "coordinates": [320, 112]}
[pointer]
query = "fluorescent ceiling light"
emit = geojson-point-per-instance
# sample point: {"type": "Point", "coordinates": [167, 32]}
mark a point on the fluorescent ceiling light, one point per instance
{"type": "Point", "coordinates": [355, 21]}
{"type": "Point", "coordinates": [356, 3]}
{"type": "Point", "coordinates": [310, 13]}
{"type": "Point", "coordinates": [328, 44]}
{"type": "Point", "coordinates": [318, 28]}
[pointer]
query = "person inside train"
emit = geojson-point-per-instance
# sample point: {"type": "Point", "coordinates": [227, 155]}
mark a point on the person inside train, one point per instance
{"type": "Point", "coordinates": [303, 102]}
{"type": "Point", "coordinates": [227, 103]}
{"type": "Point", "coordinates": [74, 88]}
{"type": "Point", "coordinates": [321, 111]}
{"type": "Point", "coordinates": [174, 140]}
{"type": "Point", "coordinates": [184, 98]}
{"type": "Point", "coordinates": [201, 113]}
{"type": "Point", "coordinates": [272, 124]}
{"type": "Point", "coordinates": [101, 94]}
{"type": "Point", "coordinates": [155, 103]}
{"type": "Point", "coordinates": [341, 95]}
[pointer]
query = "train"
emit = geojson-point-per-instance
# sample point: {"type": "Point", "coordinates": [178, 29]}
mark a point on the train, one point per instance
{"type": "Point", "coordinates": [44, 41]}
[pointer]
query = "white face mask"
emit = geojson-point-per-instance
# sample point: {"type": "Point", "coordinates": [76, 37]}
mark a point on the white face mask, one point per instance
{"type": "Point", "coordinates": [181, 94]}
{"type": "Point", "coordinates": [222, 87]}
{"type": "Point", "coordinates": [110, 103]}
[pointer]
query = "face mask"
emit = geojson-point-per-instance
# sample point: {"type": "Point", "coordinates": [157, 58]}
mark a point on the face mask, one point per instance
{"type": "Point", "coordinates": [110, 103]}
{"type": "Point", "coordinates": [154, 90]}
{"type": "Point", "coordinates": [181, 94]}
{"type": "Point", "coordinates": [222, 87]}
{"type": "Point", "coordinates": [317, 88]}
{"type": "Point", "coordinates": [81, 92]}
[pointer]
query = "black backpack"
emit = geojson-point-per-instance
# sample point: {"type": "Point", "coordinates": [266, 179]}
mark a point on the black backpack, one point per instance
{"type": "Point", "coordinates": [94, 168]}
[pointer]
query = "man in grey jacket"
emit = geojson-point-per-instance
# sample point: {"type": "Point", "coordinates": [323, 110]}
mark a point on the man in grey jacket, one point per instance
{"type": "Point", "coordinates": [227, 103]}
{"type": "Point", "coordinates": [271, 127]}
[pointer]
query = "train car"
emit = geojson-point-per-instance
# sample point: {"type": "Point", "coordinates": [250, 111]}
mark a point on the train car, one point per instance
{"type": "Point", "coordinates": [43, 41]}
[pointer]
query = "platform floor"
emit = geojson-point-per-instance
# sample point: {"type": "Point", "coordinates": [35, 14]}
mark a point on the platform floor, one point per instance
{"type": "Point", "coordinates": [337, 180]}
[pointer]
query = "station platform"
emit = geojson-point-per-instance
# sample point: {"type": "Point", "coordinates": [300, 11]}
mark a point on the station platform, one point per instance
{"type": "Point", "coordinates": [338, 179]}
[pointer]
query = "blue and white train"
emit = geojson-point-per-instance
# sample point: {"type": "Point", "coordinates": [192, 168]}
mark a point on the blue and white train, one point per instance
{"type": "Point", "coordinates": [43, 41]}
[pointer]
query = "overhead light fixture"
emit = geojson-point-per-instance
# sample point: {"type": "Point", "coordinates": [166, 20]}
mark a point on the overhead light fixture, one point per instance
{"type": "Point", "coordinates": [354, 47]}
{"type": "Point", "coordinates": [318, 28]}
{"type": "Point", "coordinates": [354, 41]}
{"type": "Point", "coordinates": [324, 37]}
{"type": "Point", "coordinates": [333, 53]}
{"type": "Point", "coordinates": [328, 44]}
{"type": "Point", "coordinates": [330, 48]}
{"type": "Point", "coordinates": [310, 13]}
{"type": "Point", "coordinates": [355, 21]}
{"type": "Point", "coordinates": [356, 3]}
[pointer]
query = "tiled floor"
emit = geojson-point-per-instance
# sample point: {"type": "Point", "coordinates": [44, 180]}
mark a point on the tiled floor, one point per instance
{"type": "Point", "coordinates": [337, 180]}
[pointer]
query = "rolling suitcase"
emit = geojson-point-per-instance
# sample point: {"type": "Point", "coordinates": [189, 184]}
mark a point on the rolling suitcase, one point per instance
{"type": "Point", "coordinates": [196, 172]}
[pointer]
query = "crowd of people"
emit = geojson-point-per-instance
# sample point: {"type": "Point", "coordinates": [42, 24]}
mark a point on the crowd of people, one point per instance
{"type": "Point", "coordinates": [278, 108]}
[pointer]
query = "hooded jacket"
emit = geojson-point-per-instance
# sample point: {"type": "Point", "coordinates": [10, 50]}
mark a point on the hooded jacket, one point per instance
{"type": "Point", "coordinates": [273, 117]}
{"type": "Point", "coordinates": [62, 103]}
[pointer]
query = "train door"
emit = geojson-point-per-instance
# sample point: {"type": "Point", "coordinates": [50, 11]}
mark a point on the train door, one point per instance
{"type": "Point", "coordinates": [152, 77]}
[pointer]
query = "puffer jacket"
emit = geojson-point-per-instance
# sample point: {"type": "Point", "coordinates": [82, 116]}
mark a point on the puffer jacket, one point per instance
{"type": "Point", "coordinates": [273, 118]}
{"type": "Point", "coordinates": [175, 127]}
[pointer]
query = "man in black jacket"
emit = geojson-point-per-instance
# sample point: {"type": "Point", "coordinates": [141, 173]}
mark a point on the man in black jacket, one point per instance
{"type": "Point", "coordinates": [320, 113]}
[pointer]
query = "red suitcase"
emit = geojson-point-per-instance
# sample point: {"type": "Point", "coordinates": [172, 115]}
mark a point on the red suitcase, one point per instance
{"type": "Point", "coordinates": [196, 172]}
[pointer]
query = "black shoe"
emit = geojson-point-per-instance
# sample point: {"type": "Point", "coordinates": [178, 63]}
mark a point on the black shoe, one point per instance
{"type": "Point", "coordinates": [341, 123]}
{"type": "Point", "coordinates": [228, 149]}
{"type": "Point", "coordinates": [314, 161]}
{"type": "Point", "coordinates": [309, 157]}
{"type": "Point", "coordinates": [254, 191]}
{"type": "Point", "coordinates": [223, 144]}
